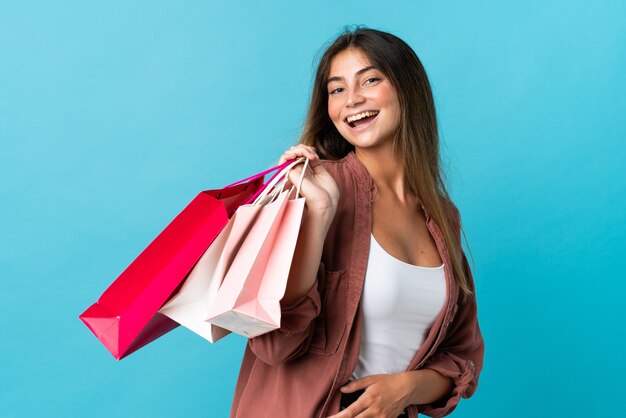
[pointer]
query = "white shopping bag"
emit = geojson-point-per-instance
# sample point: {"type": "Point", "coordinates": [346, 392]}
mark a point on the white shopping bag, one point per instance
{"type": "Point", "coordinates": [189, 306]}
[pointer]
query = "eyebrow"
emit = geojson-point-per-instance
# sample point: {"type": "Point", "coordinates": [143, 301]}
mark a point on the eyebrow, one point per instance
{"type": "Point", "coordinates": [361, 71]}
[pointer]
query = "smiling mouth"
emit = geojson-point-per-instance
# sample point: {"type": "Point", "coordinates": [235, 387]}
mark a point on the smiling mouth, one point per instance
{"type": "Point", "coordinates": [362, 121]}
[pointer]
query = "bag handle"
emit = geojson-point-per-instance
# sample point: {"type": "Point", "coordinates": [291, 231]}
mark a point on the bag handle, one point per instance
{"type": "Point", "coordinates": [278, 168]}
{"type": "Point", "coordinates": [286, 179]}
{"type": "Point", "coordinates": [262, 173]}
{"type": "Point", "coordinates": [272, 190]}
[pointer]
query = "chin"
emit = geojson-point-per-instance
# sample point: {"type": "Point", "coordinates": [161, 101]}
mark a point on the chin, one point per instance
{"type": "Point", "coordinates": [364, 141]}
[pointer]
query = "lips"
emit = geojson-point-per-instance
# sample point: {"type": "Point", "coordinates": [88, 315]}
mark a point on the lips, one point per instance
{"type": "Point", "coordinates": [375, 112]}
{"type": "Point", "coordinates": [364, 125]}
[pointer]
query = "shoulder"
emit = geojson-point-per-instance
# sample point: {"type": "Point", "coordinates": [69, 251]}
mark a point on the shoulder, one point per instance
{"type": "Point", "coordinates": [335, 166]}
{"type": "Point", "coordinates": [340, 171]}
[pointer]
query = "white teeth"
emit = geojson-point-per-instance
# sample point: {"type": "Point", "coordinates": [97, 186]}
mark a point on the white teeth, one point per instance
{"type": "Point", "coordinates": [353, 118]}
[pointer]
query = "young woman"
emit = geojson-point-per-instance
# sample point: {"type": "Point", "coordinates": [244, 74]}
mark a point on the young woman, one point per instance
{"type": "Point", "coordinates": [379, 318]}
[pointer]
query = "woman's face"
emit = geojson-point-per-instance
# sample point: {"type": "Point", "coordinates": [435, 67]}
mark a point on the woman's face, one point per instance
{"type": "Point", "coordinates": [354, 89]}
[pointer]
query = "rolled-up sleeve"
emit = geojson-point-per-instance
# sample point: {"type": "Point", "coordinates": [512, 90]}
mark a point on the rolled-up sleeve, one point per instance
{"type": "Point", "coordinates": [460, 355]}
{"type": "Point", "coordinates": [296, 323]}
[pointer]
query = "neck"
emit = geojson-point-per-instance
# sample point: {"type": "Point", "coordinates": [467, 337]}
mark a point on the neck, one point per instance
{"type": "Point", "coordinates": [386, 170]}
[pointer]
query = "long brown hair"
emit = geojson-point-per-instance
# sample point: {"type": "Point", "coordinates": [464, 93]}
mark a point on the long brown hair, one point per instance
{"type": "Point", "coordinates": [416, 139]}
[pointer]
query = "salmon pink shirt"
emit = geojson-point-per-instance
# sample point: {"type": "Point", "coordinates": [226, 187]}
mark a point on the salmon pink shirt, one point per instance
{"type": "Point", "coordinates": [297, 370]}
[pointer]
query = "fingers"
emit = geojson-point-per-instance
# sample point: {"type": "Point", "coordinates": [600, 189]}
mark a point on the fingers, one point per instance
{"type": "Point", "coordinates": [299, 150]}
{"type": "Point", "coordinates": [375, 401]}
{"type": "Point", "coordinates": [360, 404]}
{"type": "Point", "coordinates": [295, 174]}
{"type": "Point", "coordinates": [357, 384]}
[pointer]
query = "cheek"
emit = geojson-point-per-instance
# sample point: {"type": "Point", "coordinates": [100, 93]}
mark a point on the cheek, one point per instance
{"type": "Point", "coordinates": [390, 100]}
{"type": "Point", "coordinates": [388, 97]}
{"type": "Point", "coordinates": [334, 110]}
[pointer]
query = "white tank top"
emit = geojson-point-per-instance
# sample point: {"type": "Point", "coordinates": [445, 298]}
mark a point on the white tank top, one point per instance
{"type": "Point", "coordinates": [400, 303]}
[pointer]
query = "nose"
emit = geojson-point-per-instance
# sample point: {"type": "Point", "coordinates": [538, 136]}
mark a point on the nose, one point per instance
{"type": "Point", "coordinates": [354, 97]}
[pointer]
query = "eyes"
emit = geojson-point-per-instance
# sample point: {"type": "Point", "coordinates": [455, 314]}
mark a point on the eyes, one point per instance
{"type": "Point", "coordinates": [335, 91]}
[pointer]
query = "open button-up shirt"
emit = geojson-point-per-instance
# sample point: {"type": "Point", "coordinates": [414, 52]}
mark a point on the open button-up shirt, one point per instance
{"type": "Point", "coordinates": [296, 370]}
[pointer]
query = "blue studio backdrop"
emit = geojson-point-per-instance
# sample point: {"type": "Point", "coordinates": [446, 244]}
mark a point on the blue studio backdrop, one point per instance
{"type": "Point", "coordinates": [114, 115]}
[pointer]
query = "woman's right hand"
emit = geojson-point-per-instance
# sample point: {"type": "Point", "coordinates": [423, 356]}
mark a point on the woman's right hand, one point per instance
{"type": "Point", "coordinates": [321, 196]}
{"type": "Point", "coordinates": [318, 187]}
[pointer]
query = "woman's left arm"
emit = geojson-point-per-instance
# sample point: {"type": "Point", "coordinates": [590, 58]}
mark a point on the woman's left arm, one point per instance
{"type": "Point", "coordinates": [460, 354]}
{"type": "Point", "coordinates": [459, 357]}
{"type": "Point", "coordinates": [387, 395]}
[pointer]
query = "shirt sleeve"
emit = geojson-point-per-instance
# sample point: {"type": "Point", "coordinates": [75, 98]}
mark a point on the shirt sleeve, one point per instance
{"type": "Point", "coordinates": [459, 357]}
{"type": "Point", "coordinates": [293, 337]}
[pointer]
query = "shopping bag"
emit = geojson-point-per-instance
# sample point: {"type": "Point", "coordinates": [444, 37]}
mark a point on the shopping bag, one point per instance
{"type": "Point", "coordinates": [125, 318]}
{"type": "Point", "coordinates": [256, 261]}
{"type": "Point", "coordinates": [189, 306]}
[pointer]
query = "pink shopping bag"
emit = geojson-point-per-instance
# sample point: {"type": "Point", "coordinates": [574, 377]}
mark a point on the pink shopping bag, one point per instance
{"type": "Point", "coordinates": [256, 260]}
{"type": "Point", "coordinates": [125, 318]}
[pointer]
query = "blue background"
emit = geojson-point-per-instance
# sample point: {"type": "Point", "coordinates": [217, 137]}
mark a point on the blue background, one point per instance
{"type": "Point", "coordinates": [113, 115]}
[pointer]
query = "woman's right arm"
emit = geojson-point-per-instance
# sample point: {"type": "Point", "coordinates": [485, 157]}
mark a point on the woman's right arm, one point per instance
{"type": "Point", "coordinates": [301, 302]}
